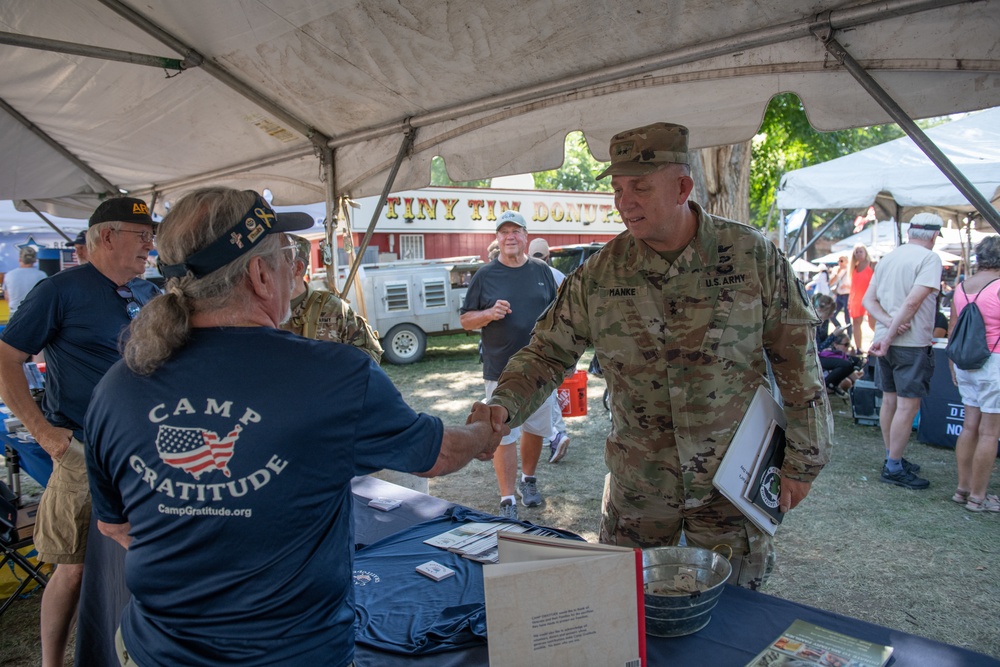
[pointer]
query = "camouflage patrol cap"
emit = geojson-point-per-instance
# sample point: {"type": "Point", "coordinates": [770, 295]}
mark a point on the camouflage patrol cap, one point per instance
{"type": "Point", "coordinates": [645, 149]}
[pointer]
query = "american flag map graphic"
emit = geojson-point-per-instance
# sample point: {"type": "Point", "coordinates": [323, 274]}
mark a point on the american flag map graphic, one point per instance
{"type": "Point", "coordinates": [195, 450]}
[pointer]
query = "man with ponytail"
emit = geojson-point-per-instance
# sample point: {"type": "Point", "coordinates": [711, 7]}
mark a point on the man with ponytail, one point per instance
{"type": "Point", "coordinates": [75, 318]}
{"type": "Point", "coordinates": [223, 448]}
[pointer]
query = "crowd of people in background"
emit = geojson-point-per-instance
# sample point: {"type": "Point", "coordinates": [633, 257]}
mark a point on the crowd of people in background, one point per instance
{"type": "Point", "coordinates": [213, 336]}
{"type": "Point", "coordinates": [920, 290]}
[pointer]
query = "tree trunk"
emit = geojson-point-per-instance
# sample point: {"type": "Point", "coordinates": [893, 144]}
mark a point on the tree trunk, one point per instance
{"type": "Point", "coordinates": [722, 180]}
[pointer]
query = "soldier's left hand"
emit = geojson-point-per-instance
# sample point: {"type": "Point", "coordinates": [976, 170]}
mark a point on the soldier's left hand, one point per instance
{"type": "Point", "coordinates": [792, 493]}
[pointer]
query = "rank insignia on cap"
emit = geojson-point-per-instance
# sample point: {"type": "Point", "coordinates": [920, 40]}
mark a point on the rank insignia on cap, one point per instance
{"type": "Point", "coordinates": [624, 149]}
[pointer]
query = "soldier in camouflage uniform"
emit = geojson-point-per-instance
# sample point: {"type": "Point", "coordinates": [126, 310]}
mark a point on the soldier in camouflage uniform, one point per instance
{"type": "Point", "coordinates": [681, 309]}
{"type": "Point", "coordinates": [321, 315]}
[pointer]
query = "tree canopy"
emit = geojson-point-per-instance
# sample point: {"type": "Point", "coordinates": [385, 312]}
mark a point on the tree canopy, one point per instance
{"type": "Point", "coordinates": [439, 177]}
{"type": "Point", "coordinates": [787, 141]}
{"type": "Point", "coordinates": [577, 172]}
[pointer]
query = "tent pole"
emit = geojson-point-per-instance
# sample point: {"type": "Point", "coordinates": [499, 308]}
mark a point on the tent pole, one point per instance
{"type": "Point", "coordinates": [45, 220]}
{"type": "Point", "coordinates": [404, 149]}
{"type": "Point", "coordinates": [818, 235]}
{"type": "Point", "coordinates": [781, 229]}
{"type": "Point", "coordinates": [798, 235]}
{"type": "Point", "coordinates": [824, 33]}
{"type": "Point", "coordinates": [56, 46]}
{"type": "Point", "coordinates": [329, 257]}
{"type": "Point", "coordinates": [109, 188]}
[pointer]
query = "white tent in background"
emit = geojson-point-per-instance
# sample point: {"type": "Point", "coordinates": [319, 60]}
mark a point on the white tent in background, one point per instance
{"type": "Point", "coordinates": [947, 246]}
{"type": "Point", "coordinates": [955, 240]}
{"type": "Point", "coordinates": [803, 266]}
{"type": "Point", "coordinates": [946, 256]}
{"type": "Point", "coordinates": [878, 237]}
{"type": "Point", "coordinates": [899, 170]}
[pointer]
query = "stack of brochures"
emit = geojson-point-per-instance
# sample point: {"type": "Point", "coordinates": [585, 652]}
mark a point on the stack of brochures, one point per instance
{"type": "Point", "coordinates": [478, 541]}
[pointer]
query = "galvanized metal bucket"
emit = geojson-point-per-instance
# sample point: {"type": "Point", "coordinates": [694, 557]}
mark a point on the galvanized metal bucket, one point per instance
{"type": "Point", "coordinates": [682, 585]}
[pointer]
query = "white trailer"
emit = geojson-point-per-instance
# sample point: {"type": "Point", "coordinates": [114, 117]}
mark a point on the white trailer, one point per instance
{"type": "Point", "coordinates": [405, 302]}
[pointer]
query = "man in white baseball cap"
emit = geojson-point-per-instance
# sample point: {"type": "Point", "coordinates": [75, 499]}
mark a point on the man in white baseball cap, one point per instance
{"type": "Point", "coordinates": [504, 300]}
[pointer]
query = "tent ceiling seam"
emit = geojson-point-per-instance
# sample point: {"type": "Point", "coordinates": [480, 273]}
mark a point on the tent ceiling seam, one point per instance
{"type": "Point", "coordinates": [218, 72]}
{"type": "Point", "coordinates": [800, 28]}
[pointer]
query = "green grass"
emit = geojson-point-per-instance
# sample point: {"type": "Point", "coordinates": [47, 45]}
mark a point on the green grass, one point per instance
{"type": "Point", "coordinates": [909, 560]}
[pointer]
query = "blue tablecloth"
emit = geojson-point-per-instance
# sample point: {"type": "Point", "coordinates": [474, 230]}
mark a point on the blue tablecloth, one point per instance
{"type": "Point", "coordinates": [742, 624]}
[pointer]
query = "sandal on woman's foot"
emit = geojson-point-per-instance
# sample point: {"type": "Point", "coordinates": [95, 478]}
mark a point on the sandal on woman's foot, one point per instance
{"type": "Point", "coordinates": [961, 497]}
{"type": "Point", "coordinates": [987, 504]}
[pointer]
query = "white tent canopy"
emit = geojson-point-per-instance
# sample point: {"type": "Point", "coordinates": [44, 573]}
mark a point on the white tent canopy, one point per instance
{"type": "Point", "coordinates": [492, 87]}
{"type": "Point", "coordinates": [13, 221]}
{"type": "Point", "coordinates": [900, 169]}
{"type": "Point", "coordinates": [951, 244]}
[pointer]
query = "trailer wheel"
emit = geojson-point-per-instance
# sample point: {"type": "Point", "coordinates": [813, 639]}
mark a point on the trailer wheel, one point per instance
{"type": "Point", "coordinates": [404, 344]}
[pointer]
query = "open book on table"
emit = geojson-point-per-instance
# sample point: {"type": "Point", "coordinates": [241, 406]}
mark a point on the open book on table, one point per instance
{"type": "Point", "coordinates": [746, 475]}
{"type": "Point", "coordinates": [552, 601]}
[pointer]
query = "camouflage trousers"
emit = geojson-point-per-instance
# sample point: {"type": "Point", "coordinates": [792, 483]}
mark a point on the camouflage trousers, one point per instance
{"type": "Point", "coordinates": [634, 519]}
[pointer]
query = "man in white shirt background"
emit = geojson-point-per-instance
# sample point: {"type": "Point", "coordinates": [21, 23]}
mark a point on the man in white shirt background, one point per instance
{"type": "Point", "coordinates": [17, 283]}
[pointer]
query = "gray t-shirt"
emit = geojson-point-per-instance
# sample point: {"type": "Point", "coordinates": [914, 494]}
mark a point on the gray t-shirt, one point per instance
{"type": "Point", "coordinates": [894, 277]}
{"type": "Point", "coordinates": [529, 289]}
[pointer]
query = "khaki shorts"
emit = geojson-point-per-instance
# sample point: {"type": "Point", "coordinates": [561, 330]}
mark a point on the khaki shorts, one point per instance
{"type": "Point", "coordinates": [64, 511]}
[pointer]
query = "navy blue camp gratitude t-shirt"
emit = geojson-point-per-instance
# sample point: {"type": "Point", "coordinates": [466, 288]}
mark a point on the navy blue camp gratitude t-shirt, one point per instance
{"type": "Point", "coordinates": [233, 465]}
{"type": "Point", "coordinates": [76, 316]}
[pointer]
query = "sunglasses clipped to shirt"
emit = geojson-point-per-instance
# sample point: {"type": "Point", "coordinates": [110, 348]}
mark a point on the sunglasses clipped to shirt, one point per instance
{"type": "Point", "coordinates": [132, 307]}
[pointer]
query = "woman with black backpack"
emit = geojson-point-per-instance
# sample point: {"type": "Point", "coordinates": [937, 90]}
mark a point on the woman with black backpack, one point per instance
{"type": "Point", "coordinates": [976, 449]}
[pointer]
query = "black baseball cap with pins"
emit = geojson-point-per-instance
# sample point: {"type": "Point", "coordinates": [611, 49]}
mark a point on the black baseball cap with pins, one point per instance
{"type": "Point", "coordinates": [248, 232]}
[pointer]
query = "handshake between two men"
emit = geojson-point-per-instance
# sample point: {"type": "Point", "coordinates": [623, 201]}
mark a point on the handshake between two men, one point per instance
{"type": "Point", "coordinates": [477, 439]}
